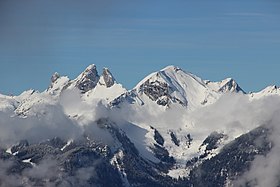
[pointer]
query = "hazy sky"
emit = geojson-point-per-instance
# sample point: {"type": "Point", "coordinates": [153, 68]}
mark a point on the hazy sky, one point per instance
{"type": "Point", "coordinates": [212, 39]}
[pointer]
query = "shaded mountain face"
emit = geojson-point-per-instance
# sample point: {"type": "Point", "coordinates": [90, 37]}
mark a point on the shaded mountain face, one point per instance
{"type": "Point", "coordinates": [87, 162]}
{"type": "Point", "coordinates": [171, 129]}
{"type": "Point", "coordinates": [88, 79]}
{"type": "Point", "coordinates": [109, 80]}
{"type": "Point", "coordinates": [83, 162]}
{"type": "Point", "coordinates": [233, 160]}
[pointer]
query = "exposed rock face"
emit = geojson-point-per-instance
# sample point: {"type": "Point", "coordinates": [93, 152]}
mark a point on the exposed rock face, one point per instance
{"type": "Point", "coordinates": [88, 79]}
{"type": "Point", "coordinates": [174, 139]}
{"type": "Point", "coordinates": [157, 136]}
{"type": "Point", "coordinates": [128, 97]}
{"type": "Point", "coordinates": [159, 92]}
{"type": "Point", "coordinates": [54, 77]}
{"type": "Point", "coordinates": [156, 91]}
{"type": "Point", "coordinates": [108, 78]}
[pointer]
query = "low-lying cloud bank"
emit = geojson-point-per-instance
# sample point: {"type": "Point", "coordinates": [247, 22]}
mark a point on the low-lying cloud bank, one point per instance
{"type": "Point", "coordinates": [68, 118]}
{"type": "Point", "coordinates": [232, 114]}
{"type": "Point", "coordinates": [54, 123]}
{"type": "Point", "coordinates": [265, 169]}
{"type": "Point", "coordinates": [236, 114]}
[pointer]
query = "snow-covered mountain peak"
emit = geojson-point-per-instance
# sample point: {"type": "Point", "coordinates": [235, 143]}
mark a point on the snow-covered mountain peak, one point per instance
{"type": "Point", "coordinates": [171, 68]}
{"type": "Point", "coordinates": [174, 85]}
{"type": "Point", "coordinates": [106, 88]}
{"type": "Point", "coordinates": [88, 86]}
{"type": "Point", "coordinates": [108, 78]}
{"type": "Point", "coordinates": [268, 91]}
{"type": "Point", "coordinates": [92, 86]}
{"type": "Point", "coordinates": [88, 79]}
{"type": "Point", "coordinates": [230, 85]}
{"type": "Point", "coordinates": [159, 86]}
{"type": "Point", "coordinates": [85, 82]}
{"type": "Point", "coordinates": [225, 86]}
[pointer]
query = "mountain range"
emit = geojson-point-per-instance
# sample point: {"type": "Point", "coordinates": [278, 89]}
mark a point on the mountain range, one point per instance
{"type": "Point", "coordinates": [172, 129]}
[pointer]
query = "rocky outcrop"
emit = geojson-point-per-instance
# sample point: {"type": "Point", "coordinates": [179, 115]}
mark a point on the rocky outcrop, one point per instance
{"type": "Point", "coordinates": [88, 79]}
{"type": "Point", "coordinates": [109, 80]}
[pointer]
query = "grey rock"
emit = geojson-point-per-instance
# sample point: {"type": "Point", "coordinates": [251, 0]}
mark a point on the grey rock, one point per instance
{"type": "Point", "coordinates": [88, 79]}
{"type": "Point", "coordinates": [108, 78]}
{"type": "Point", "coordinates": [54, 77]}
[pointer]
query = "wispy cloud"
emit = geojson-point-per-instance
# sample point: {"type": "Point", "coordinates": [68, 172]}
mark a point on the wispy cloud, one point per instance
{"type": "Point", "coordinates": [244, 14]}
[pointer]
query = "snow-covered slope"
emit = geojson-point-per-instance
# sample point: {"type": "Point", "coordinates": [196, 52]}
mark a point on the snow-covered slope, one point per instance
{"type": "Point", "coordinates": [58, 84]}
{"type": "Point", "coordinates": [106, 89]}
{"type": "Point", "coordinates": [173, 85]}
{"type": "Point", "coordinates": [160, 115]}
{"type": "Point", "coordinates": [89, 86]}
{"type": "Point", "coordinates": [268, 91]}
{"type": "Point", "coordinates": [162, 104]}
{"type": "Point", "coordinates": [226, 85]}
{"type": "Point", "coordinates": [89, 83]}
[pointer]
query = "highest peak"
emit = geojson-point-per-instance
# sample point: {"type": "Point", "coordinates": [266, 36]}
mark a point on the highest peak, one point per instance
{"type": "Point", "coordinates": [171, 68]}
{"type": "Point", "coordinates": [175, 70]}
{"type": "Point", "coordinates": [171, 75]}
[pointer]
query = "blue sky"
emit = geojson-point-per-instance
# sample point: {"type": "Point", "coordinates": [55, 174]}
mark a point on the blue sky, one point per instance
{"type": "Point", "coordinates": [212, 39]}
